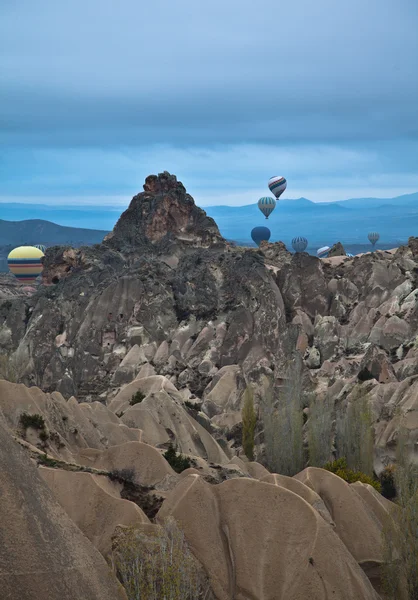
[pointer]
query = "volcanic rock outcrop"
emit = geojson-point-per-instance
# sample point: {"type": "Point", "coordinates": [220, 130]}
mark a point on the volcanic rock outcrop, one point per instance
{"type": "Point", "coordinates": [43, 554]}
{"type": "Point", "coordinates": [166, 295]}
{"type": "Point", "coordinates": [147, 342]}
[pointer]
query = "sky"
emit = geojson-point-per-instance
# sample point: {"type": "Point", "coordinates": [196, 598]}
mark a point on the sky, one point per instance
{"type": "Point", "coordinates": [97, 94]}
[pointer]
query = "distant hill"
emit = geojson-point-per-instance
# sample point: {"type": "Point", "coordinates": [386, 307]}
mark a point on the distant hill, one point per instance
{"type": "Point", "coordinates": [37, 231]}
{"type": "Point", "coordinates": [323, 223]}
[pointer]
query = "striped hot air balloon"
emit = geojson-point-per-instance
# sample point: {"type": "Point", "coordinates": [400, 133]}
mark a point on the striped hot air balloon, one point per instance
{"type": "Point", "coordinates": [267, 205]}
{"type": "Point", "coordinates": [40, 247]}
{"type": "Point", "coordinates": [373, 237]}
{"type": "Point", "coordinates": [299, 244]}
{"type": "Point", "coordinates": [25, 263]}
{"type": "Point", "coordinates": [322, 252]}
{"type": "Point", "coordinates": [277, 185]}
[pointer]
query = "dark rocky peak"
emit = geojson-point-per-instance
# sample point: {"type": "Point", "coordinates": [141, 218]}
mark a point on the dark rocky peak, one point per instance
{"type": "Point", "coordinates": [162, 216]}
{"type": "Point", "coordinates": [337, 250]}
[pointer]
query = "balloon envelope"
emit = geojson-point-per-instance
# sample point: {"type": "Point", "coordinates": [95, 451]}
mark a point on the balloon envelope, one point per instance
{"type": "Point", "coordinates": [277, 185]}
{"type": "Point", "coordinates": [321, 252]}
{"type": "Point", "coordinates": [299, 244]}
{"type": "Point", "coordinates": [267, 205]}
{"type": "Point", "coordinates": [260, 234]}
{"type": "Point", "coordinates": [40, 247]}
{"type": "Point", "coordinates": [373, 237]}
{"type": "Point", "coordinates": [25, 263]}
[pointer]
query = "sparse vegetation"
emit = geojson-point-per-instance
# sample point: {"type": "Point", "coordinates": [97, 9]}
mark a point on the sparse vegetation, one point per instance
{"type": "Point", "coordinates": [46, 461]}
{"type": "Point", "coordinates": [43, 436]}
{"type": "Point", "coordinates": [282, 410]}
{"type": "Point", "coordinates": [192, 405]}
{"type": "Point", "coordinates": [340, 468]}
{"type": "Point", "coordinates": [249, 422]}
{"type": "Point", "coordinates": [400, 533]}
{"type": "Point", "coordinates": [355, 436]}
{"type": "Point", "coordinates": [123, 475]}
{"type": "Point", "coordinates": [35, 421]}
{"type": "Point", "coordinates": [159, 566]}
{"type": "Point", "coordinates": [55, 438]}
{"type": "Point", "coordinates": [137, 398]}
{"type": "Point", "coordinates": [178, 462]}
{"type": "Point", "coordinates": [11, 368]}
{"type": "Point", "coordinates": [387, 481]}
{"type": "Point", "coordinates": [320, 432]}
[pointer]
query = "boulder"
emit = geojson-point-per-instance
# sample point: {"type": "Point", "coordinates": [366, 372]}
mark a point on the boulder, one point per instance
{"type": "Point", "coordinates": [376, 365]}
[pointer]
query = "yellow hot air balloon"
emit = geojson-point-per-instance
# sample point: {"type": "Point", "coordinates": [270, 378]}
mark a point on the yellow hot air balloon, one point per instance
{"type": "Point", "coordinates": [25, 263]}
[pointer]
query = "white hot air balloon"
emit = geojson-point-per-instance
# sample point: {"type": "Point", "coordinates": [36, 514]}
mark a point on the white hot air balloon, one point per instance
{"type": "Point", "coordinates": [322, 252]}
{"type": "Point", "coordinates": [277, 185]}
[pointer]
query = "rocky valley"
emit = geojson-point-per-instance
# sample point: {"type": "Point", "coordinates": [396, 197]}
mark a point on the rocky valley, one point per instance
{"type": "Point", "coordinates": [255, 367]}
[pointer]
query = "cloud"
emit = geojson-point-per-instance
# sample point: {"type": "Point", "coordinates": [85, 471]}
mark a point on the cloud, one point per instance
{"type": "Point", "coordinates": [94, 73]}
{"type": "Point", "coordinates": [96, 95]}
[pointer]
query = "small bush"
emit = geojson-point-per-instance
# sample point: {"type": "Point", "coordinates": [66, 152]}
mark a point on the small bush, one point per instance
{"type": "Point", "coordinates": [137, 398]}
{"type": "Point", "coordinates": [35, 421]}
{"type": "Point", "coordinates": [159, 566]}
{"type": "Point", "coordinates": [340, 468]}
{"type": "Point", "coordinates": [55, 438]}
{"type": "Point", "coordinates": [387, 481]}
{"type": "Point", "coordinates": [44, 460]}
{"type": "Point", "coordinates": [178, 462]}
{"type": "Point", "coordinates": [190, 405]}
{"type": "Point", "coordinates": [122, 474]}
{"type": "Point", "coordinates": [43, 436]}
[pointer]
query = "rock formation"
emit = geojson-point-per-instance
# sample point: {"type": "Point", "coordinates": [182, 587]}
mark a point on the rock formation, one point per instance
{"type": "Point", "coordinates": [149, 340]}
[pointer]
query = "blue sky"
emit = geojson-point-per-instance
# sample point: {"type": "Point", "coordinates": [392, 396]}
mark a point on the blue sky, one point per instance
{"type": "Point", "coordinates": [97, 94]}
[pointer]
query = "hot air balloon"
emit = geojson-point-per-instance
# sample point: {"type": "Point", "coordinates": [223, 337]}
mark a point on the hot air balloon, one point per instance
{"type": "Point", "coordinates": [260, 234]}
{"type": "Point", "coordinates": [349, 255]}
{"type": "Point", "coordinates": [322, 252]}
{"type": "Point", "coordinates": [373, 237]}
{"type": "Point", "coordinates": [25, 263]}
{"type": "Point", "coordinates": [267, 205]}
{"type": "Point", "coordinates": [40, 247]}
{"type": "Point", "coordinates": [299, 244]}
{"type": "Point", "coordinates": [277, 185]}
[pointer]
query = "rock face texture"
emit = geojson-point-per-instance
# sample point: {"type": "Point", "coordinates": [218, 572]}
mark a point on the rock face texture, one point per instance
{"type": "Point", "coordinates": [43, 554]}
{"type": "Point", "coordinates": [234, 530]}
{"type": "Point", "coordinates": [148, 341]}
{"type": "Point", "coordinates": [165, 295]}
{"type": "Point", "coordinates": [161, 214]}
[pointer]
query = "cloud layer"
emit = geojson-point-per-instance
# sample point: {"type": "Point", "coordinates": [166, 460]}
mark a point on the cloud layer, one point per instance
{"type": "Point", "coordinates": [95, 95]}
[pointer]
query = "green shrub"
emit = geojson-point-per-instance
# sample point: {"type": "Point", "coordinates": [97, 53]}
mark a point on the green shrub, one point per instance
{"type": "Point", "coordinates": [192, 405]}
{"type": "Point", "coordinates": [43, 459]}
{"type": "Point", "coordinates": [35, 421]}
{"type": "Point", "coordinates": [340, 468]}
{"type": "Point", "coordinates": [137, 398]}
{"type": "Point", "coordinates": [387, 481]}
{"type": "Point", "coordinates": [178, 462]}
{"type": "Point", "coordinates": [43, 436]}
{"type": "Point", "coordinates": [122, 474]}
